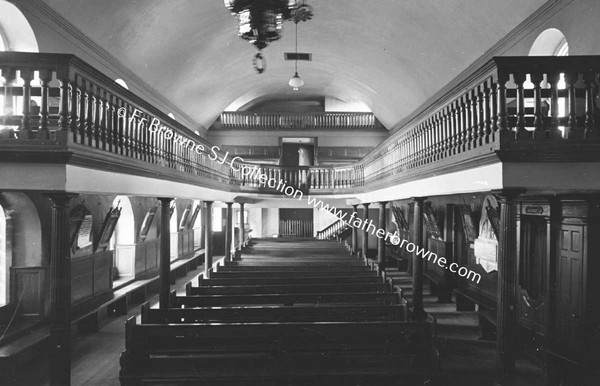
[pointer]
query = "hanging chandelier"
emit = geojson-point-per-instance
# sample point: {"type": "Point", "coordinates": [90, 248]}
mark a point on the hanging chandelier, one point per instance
{"type": "Point", "coordinates": [260, 22]}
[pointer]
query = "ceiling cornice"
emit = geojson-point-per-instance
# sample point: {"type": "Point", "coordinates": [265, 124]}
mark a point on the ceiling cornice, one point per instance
{"type": "Point", "coordinates": [44, 13]}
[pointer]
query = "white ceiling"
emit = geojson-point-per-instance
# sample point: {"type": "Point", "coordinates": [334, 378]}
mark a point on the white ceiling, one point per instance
{"type": "Point", "coordinates": [392, 55]}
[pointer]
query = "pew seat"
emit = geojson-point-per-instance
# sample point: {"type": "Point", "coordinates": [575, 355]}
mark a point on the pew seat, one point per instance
{"type": "Point", "coordinates": [283, 299]}
{"type": "Point", "coordinates": [287, 289]}
{"type": "Point", "coordinates": [327, 313]}
{"type": "Point", "coordinates": [467, 298]}
{"type": "Point", "coordinates": [211, 352]}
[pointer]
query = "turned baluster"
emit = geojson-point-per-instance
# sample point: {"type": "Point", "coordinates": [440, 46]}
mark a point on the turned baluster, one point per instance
{"type": "Point", "coordinates": [553, 79]}
{"type": "Point", "coordinates": [502, 113]}
{"type": "Point", "coordinates": [480, 117]}
{"type": "Point", "coordinates": [474, 123]}
{"type": "Point", "coordinates": [63, 112]}
{"type": "Point", "coordinates": [519, 79]}
{"type": "Point", "coordinates": [99, 135]}
{"type": "Point", "coordinates": [27, 76]}
{"type": "Point", "coordinates": [45, 78]}
{"type": "Point", "coordinates": [75, 101]}
{"type": "Point", "coordinates": [447, 134]}
{"type": "Point", "coordinates": [590, 121]}
{"type": "Point", "coordinates": [460, 125]}
{"type": "Point", "coordinates": [494, 110]}
{"type": "Point", "coordinates": [574, 131]}
{"type": "Point", "coordinates": [466, 122]}
{"type": "Point", "coordinates": [9, 76]}
{"type": "Point", "coordinates": [83, 100]}
{"type": "Point", "coordinates": [109, 118]}
{"type": "Point", "coordinates": [538, 122]}
{"type": "Point", "coordinates": [487, 113]}
{"type": "Point", "coordinates": [89, 122]}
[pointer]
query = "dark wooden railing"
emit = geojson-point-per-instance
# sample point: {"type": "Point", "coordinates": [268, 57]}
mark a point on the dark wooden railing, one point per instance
{"type": "Point", "coordinates": [295, 228]}
{"type": "Point", "coordinates": [58, 102]}
{"type": "Point", "coordinates": [511, 103]}
{"type": "Point", "coordinates": [303, 178]}
{"type": "Point", "coordinates": [317, 121]}
{"type": "Point", "coordinates": [333, 230]}
{"type": "Point", "coordinates": [527, 108]}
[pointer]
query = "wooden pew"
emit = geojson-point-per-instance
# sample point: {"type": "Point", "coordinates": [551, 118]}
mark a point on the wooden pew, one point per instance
{"type": "Point", "coordinates": [283, 299]}
{"type": "Point", "coordinates": [270, 280]}
{"type": "Point", "coordinates": [287, 289]}
{"type": "Point", "coordinates": [327, 313]}
{"type": "Point", "coordinates": [466, 298]}
{"type": "Point", "coordinates": [292, 268]}
{"type": "Point", "coordinates": [292, 273]}
{"type": "Point", "coordinates": [278, 352]}
{"type": "Point", "coordinates": [441, 280]}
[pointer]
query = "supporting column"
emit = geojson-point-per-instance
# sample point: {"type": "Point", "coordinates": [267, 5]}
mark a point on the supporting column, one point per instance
{"type": "Point", "coordinates": [354, 232]}
{"type": "Point", "coordinates": [228, 229]}
{"type": "Point", "coordinates": [417, 282]}
{"type": "Point", "coordinates": [507, 288]}
{"type": "Point", "coordinates": [381, 240]}
{"type": "Point", "coordinates": [208, 250]}
{"type": "Point", "coordinates": [165, 252]}
{"type": "Point", "coordinates": [365, 240]}
{"type": "Point", "coordinates": [60, 290]}
{"type": "Point", "coordinates": [242, 228]}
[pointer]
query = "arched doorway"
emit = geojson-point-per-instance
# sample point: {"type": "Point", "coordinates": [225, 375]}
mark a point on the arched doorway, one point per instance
{"type": "Point", "coordinates": [123, 242]}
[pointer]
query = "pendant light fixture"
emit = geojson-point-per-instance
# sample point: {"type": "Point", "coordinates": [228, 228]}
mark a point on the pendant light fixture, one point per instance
{"type": "Point", "coordinates": [295, 81]}
{"type": "Point", "coordinates": [303, 12]}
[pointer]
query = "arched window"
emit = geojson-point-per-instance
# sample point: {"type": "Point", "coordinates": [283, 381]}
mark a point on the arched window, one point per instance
{"type": "Point", "coordinates": [123, 242]}
{"type": "Point", "coordinates": [15, 30]}
{"type": "Point", "coordinates": [552, 42]}
{"type": "Point", "coordinates": [122, 83]}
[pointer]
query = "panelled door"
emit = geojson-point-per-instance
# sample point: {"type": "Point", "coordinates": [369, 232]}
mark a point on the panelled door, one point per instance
{"type": "Point", "coordinates": [570, 283]}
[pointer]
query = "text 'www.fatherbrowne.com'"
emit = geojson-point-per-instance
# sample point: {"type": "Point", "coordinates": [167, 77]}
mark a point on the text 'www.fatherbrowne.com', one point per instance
{"type": "Point", "coordinates": [252, 172]}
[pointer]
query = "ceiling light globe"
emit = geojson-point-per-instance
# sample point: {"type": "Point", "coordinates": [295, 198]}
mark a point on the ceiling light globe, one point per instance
{"type": "Point", "coordinates": [296, 82]}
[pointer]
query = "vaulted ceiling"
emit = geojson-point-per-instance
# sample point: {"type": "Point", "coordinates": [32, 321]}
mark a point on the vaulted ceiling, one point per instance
{"type": "Point", "coordinates": [391, 55]}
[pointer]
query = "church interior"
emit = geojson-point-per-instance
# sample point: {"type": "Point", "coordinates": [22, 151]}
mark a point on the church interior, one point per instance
{"type": "Point", "coordinates": [299, 192]}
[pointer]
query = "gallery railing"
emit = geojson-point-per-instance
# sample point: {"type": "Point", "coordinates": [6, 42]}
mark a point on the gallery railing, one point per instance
{"type": "Point", "coordinates": [332, 120]}
{"type": "Point", "coordinates": [57, 102]}
{"type": "Point", "coordinates": [527, 108]}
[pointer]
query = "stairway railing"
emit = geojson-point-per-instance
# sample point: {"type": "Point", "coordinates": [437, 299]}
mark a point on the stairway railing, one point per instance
{"type": "Point", "coordinates": [333, 230]}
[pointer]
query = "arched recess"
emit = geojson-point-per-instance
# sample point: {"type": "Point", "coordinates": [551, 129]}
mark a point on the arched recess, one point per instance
{"type": "Point", "coordinates": [174, 228]}
{"type": "Point", "coordinates": [551, 42]}
{"type": "Point", "coordinates": [5, 256]}
{"type": "Point", "coordinates": [21, 251]}
{"type": "Point", "coordinates": [17, 34]}
{"type": "Point", "coordinates": [123, 241]}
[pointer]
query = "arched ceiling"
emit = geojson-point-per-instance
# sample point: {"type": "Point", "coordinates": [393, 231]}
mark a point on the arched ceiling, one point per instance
{"type": "Point", "coordinates": [392, 55]}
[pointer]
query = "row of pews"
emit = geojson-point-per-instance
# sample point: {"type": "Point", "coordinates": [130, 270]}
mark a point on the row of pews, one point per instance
{"type": "Point", "coordinates": [288, 313]}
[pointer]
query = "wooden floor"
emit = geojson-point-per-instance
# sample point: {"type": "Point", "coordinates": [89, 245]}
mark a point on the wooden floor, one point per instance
{"type": "Point", "coordinates": [464, 361]}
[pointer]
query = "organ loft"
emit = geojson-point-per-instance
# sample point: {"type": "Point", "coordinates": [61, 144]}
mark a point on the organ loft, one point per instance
{"type": "Point", "coordinates": [300, 192]}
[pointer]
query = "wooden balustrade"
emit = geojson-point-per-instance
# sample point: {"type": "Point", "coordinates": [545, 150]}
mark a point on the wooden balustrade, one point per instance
{"type": "Point", "coordinates": [295, 228]}
{"type": "Point", "coordinates": [333, 230]}
{"type": "Point", "coordinates": [61, 100]}
{"type": "Point", "coordinates": [56, 101]}
{"type": "Point", "coordinates": [316, 121]}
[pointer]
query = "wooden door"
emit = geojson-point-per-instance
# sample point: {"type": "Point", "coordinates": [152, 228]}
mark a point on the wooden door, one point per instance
{"type": "Point", "coordinates": [569, 318]}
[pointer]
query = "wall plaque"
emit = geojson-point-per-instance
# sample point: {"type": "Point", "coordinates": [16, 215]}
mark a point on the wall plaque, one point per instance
{"type": "Point", "coordinates": [486, 244]}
